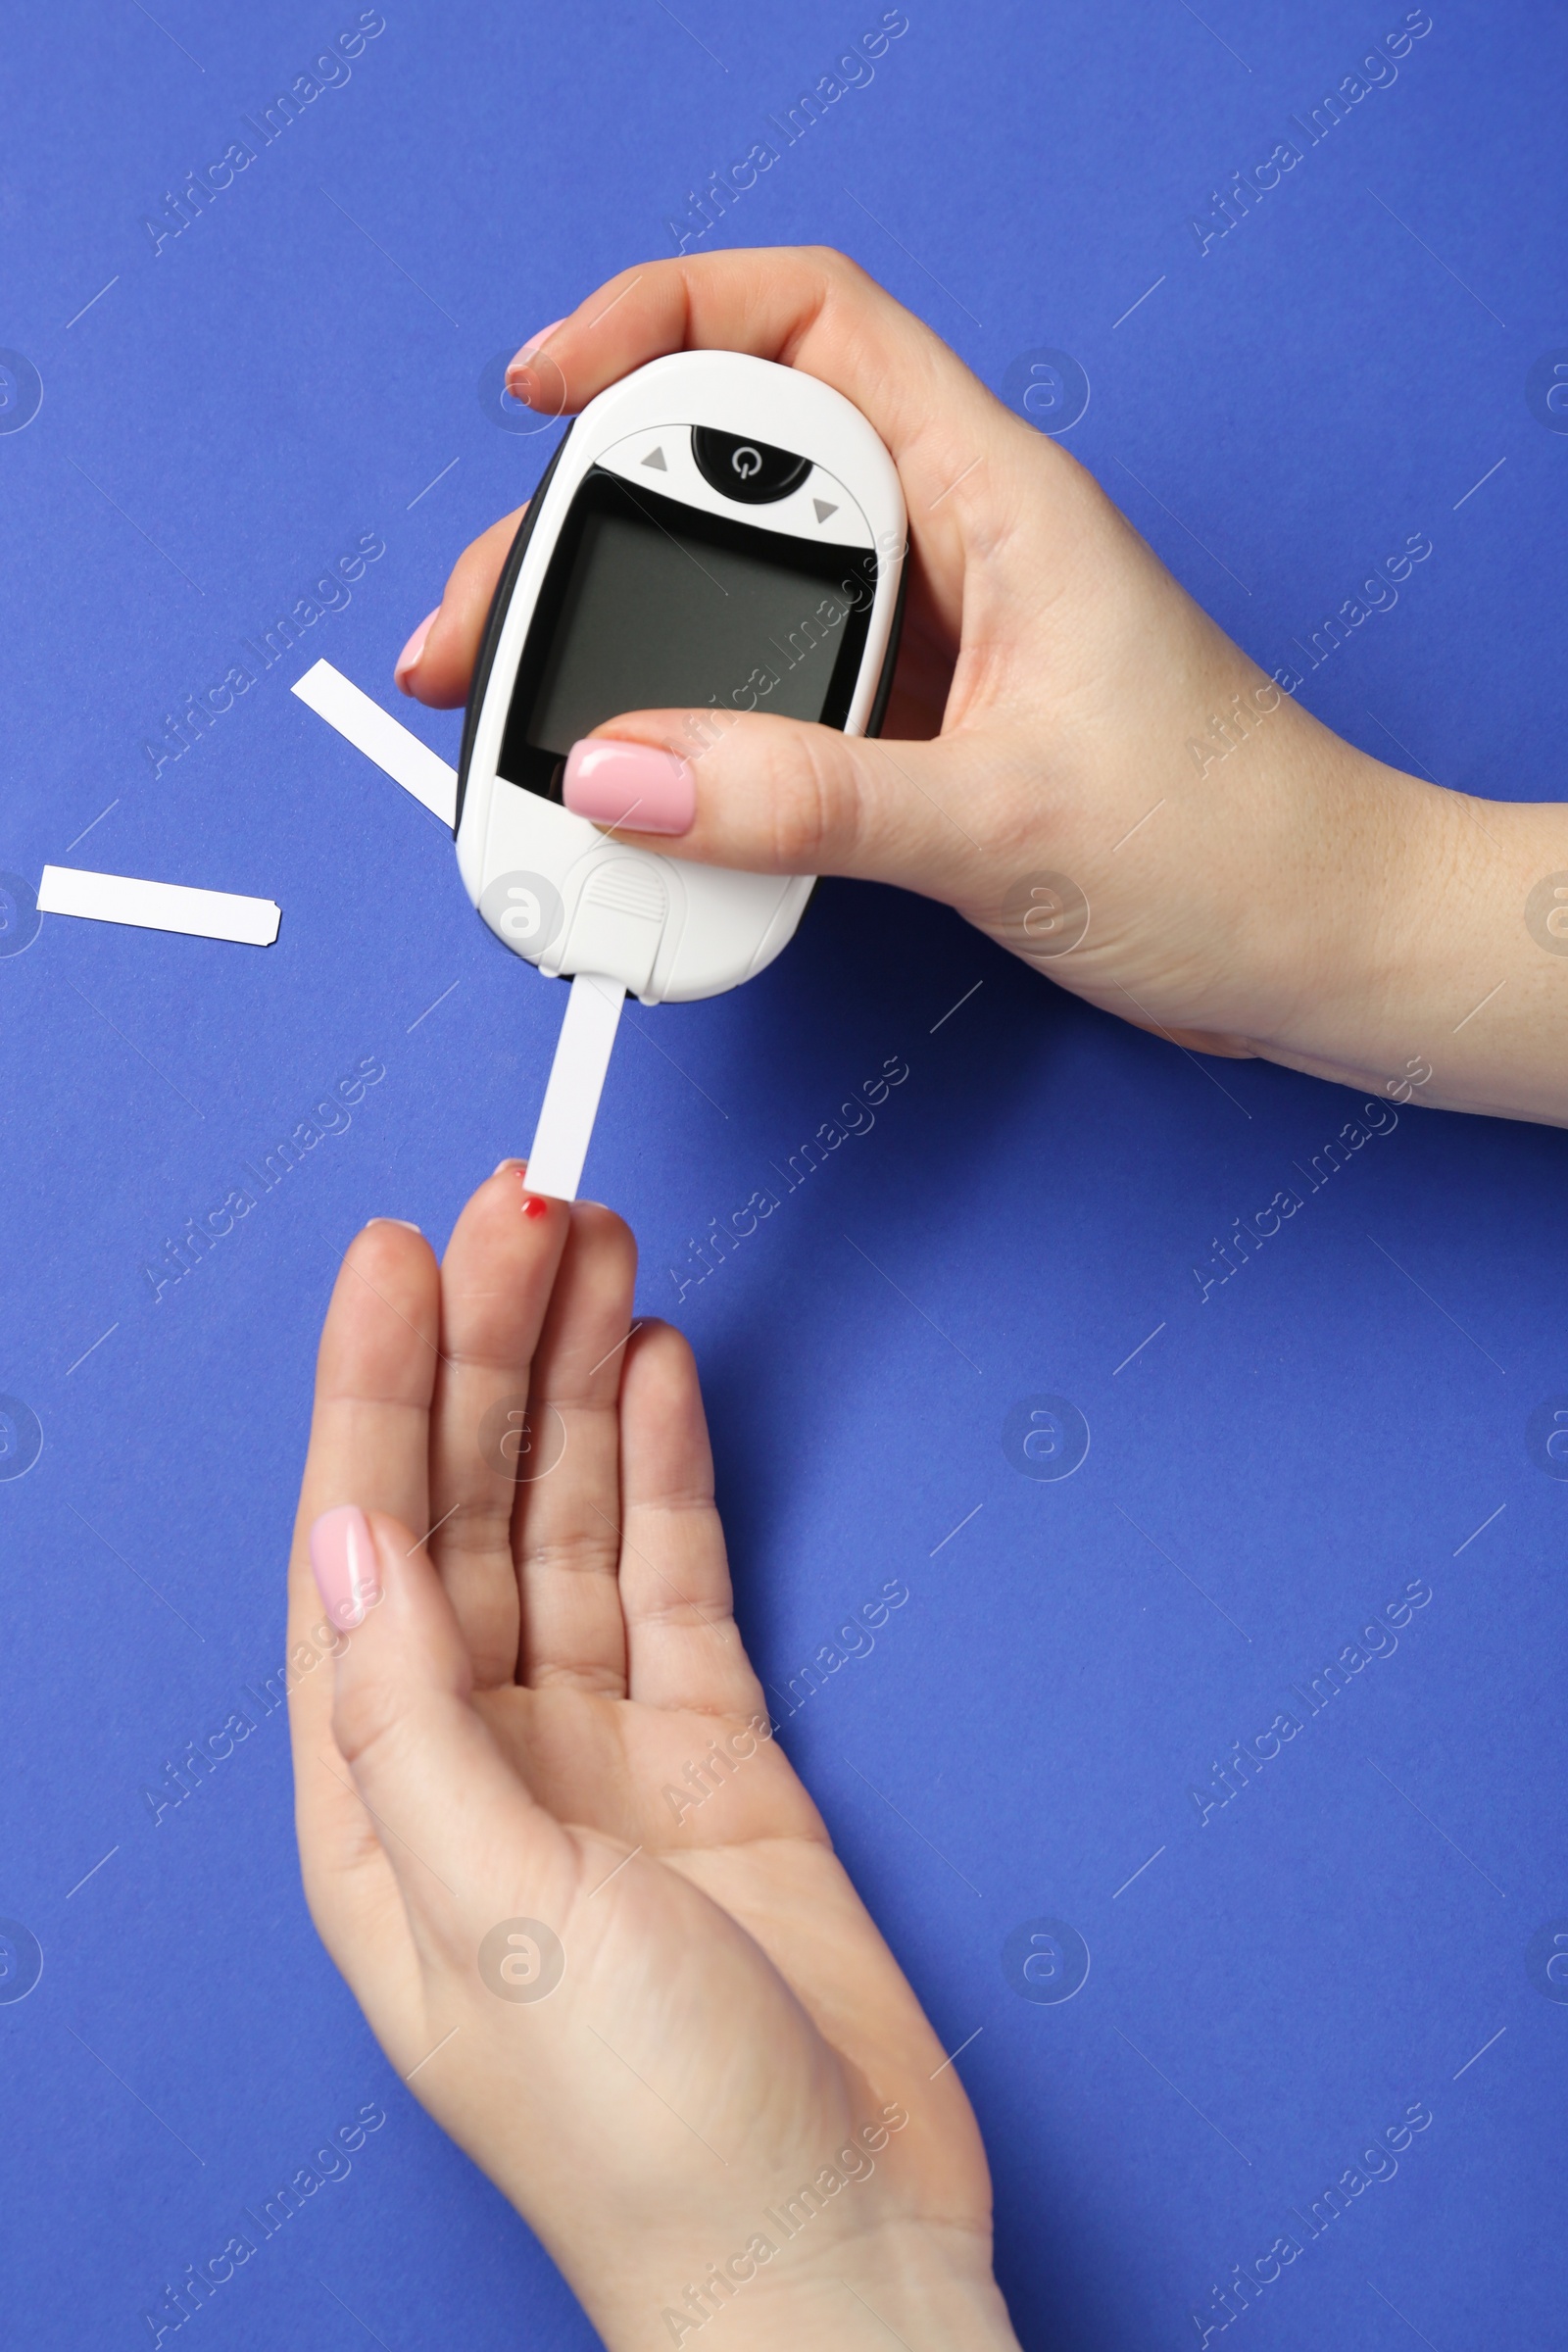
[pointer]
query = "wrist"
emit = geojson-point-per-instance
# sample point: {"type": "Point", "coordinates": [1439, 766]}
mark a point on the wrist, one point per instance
{"type": "Point", "coordinates": [930, 2283]}
{"type": "Point", "coordinates": [1355, 858]}
{"type": "Point", "coordinates": [1414, 969]}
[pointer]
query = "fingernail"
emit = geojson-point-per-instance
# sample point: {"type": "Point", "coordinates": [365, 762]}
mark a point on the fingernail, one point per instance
{"type": "Point", "coordinates": [403, 1221]}
{"type": "Point", "coordinates": [408, 661]}
{"type": "Point", "coordinates": [343, 1557]}
{"type": "Point", "coordinates": [518, 365]}
{"type": "Point", "coordinates": [629, 784]}
{"type": "Point", "coordinates": [502, 1167]}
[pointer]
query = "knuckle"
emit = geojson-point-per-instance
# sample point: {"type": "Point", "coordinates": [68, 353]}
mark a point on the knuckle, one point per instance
{"type": "Point", "coordinates": [593, 1552]}
{"type": "Point", "coordinates": [481, 1526]}
{"type": "Point", "coordinates": [684, 1615]}
{"type": "Point", "coordinates": [367, 1722]}
{"type": "Point", "coordinates": [836, 265]}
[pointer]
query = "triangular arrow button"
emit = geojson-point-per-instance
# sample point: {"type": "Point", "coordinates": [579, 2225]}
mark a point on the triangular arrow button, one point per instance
{"type": "Point", "coordinates": [656, 459]}
{"type": "Point", "coordinates": [823, 510]}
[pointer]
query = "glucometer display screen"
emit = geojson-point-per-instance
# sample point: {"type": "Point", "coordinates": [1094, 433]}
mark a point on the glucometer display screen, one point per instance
{"type": "Point", "coordinates": [650, 619]}
{"type": "Point", "coordinates": [649, 604]}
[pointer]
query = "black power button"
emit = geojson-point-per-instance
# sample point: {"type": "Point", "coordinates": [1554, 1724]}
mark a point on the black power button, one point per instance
{"type": "Point", "coordinates": [752, 472]}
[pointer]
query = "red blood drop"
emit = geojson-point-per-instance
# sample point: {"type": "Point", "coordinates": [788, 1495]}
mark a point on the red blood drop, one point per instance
{"type": "Point", "coordinates": [534, 1208]}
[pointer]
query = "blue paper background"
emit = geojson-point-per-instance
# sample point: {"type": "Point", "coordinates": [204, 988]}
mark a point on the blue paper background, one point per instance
{"type": "Point", "coordinates": [1272, 1467]}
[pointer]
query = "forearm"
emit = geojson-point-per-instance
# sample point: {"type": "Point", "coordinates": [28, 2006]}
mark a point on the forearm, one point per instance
{"type": "Point", "coordinates": [1258, 885]}
{"type": "Point", "coordinates": [1435, 966]}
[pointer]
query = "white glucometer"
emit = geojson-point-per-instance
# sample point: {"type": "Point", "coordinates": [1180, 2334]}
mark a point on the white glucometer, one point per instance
{"type": "Point", "coordinates": [714, 533]}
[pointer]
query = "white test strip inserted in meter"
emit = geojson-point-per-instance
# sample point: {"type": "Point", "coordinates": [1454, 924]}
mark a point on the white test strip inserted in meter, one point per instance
{"type": "Point", "coordinates": [577, 1081]}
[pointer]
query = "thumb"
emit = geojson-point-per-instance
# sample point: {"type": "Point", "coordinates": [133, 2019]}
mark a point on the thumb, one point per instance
{"type": "Point", "coordinates": [447, 1806]}
{"type": "Point", "coordinates": [776, 796]}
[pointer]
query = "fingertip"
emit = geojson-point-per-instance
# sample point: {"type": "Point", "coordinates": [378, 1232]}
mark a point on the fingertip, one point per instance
{"type": "Point", "coordinates": [613, 781]}
{"type": "Point", "coordinates": [407, 661]}
{"type": "Point", "coordinates": [665, 1356]}
{"type": "Point", "coordinates": [386, 1298]}
{"type": "Point", "coordinates": [439, 677]}
{"type": "Point", "coordinates": [514, 1190]}
{"type": "Point", "coordinates": [519, 366]}
{"type": "Point", "coordinates": [594, 1222]}
{"type": "Point", "coordinates": [508, 1235]}
{"type": "Point", "coordinates": [656, 1331]}
{"type": "Point", "coordinates": [380, 1243]}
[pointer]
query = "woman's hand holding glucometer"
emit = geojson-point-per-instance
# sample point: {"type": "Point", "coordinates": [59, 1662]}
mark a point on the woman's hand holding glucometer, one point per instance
{"type": "Point", "coordinates": [589, 1910]}
{"type": "Point", "coordinates": [591, 1914]}
{"type": "Point", "coordinates": [1074, 755]}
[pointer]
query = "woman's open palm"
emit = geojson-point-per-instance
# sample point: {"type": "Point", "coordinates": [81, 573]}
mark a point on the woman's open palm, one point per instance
{"type": "Point", "coordinates": [585, 1904]}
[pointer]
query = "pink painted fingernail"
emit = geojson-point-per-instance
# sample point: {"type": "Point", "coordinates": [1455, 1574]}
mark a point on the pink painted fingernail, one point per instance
{"type": "Point", "coordinates": [629, 784]}
{"type": "Point", "coordinates": [348, 1576]}
{"type": "Point", "coordinates": [409, 659]}
{"type": "Point", "coordinates": [518, 363]}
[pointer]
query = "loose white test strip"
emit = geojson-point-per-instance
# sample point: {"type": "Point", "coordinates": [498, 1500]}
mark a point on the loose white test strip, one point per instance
{"type": "Point", "coordinates": [593, 1010]}
{"type": "Point", "coordinates": [577, 1081]}
{"type": "Point", "coordinates": [158, 906]}
{"type": "Point", "coordinates": [382, 738]}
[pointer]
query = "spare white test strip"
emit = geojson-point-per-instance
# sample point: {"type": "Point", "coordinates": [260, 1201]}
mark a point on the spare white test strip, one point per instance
{"type": "Point", "coordinates": [158, 906]}
{"type": "Point", "coordinates": [382, 738]}
{"type": "Point", "coordinates": [593, 1010]}
{"type": "Point", "coordinates": [577, 1081]}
